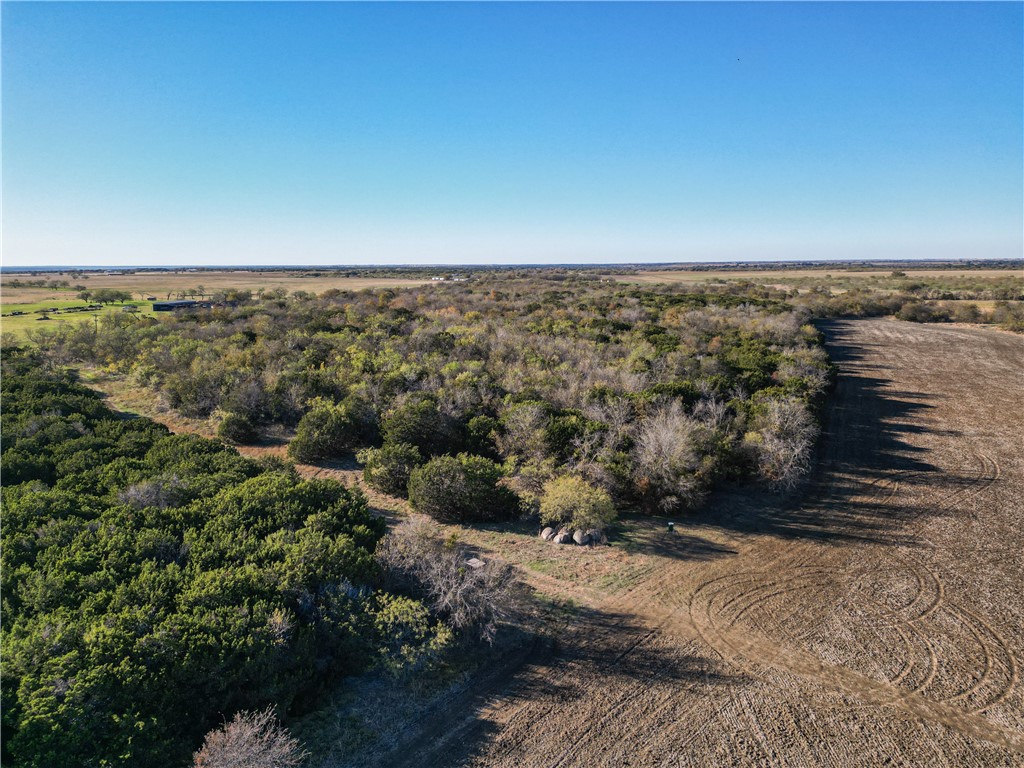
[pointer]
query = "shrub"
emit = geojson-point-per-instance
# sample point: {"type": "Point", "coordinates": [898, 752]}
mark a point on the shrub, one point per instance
{"type": "Point", "coordinates": [328, 429]}
{"type": "Point", "coordinates": [527, 478]}
{"type": "Point", "coordinates": [915, 312]}
{"type": "Point", "coordinates": [967, 313]}
{"type": "Point", "coordinates": [407, 637]}
{"type": "Point", "coordinates": [522, 431]}
{"type": "Point", "coordinates": [479, 433]}
{"type": "Point", "coordinates": [417, 423]}
{"type": "Point", "coordinates": [572, 501]}
{"type": "Point", "coordinates": [160, 492]}
{"type": "Point", "coordinates": [387, 469]}
{"type": "Point", "coordinates": [460, 488]}
{"type": "Point", "coordinates": [1009, 316]}
{"type": "Point", "coordinates": [236, 428]}
{"type": "Point", "coordinates": [250, 740]}
{"type": "Point", "coordinates": [564, 432]}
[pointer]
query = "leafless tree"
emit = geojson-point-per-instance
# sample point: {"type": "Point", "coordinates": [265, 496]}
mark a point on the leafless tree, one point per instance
{"type": "Point", "coordinates": [667, 457]}
{"type": "Point", "coordinates": [250, 740]}
{"type": "Point", "coordinates": [467, 598]}
{"type": "Point", "coordinates": [787, 434]}
{"type": "Point", "coordinates": [712, 412]}
{"type": "Point", "coordinates": [523, 433]}
{"type": "Point", "coordinates": [809, 364]}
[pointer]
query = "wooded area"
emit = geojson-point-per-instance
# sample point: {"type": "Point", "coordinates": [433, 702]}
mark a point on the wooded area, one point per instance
{"type": "Point", "coordinates": [153, 582]}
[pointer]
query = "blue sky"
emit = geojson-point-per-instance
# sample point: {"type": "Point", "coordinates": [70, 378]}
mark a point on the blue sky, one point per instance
{"type": "Point", "coordinates": [285, 133]}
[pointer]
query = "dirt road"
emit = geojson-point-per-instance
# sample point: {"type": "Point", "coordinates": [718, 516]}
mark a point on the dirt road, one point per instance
{"type": "Point", "coordinates": [877, 622]}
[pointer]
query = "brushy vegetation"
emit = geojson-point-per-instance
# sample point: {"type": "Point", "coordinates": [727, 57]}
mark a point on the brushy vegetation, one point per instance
{"type": "Point", "coordinates": [250, 740]}
{"type": "Point", "coordinates": [572, 501]}
{"type": "Point", "coordinates": [651, 395]}
{"type": "Point", "coordinates": [472, 600]}
{"type": "Point", "coordinates": [153, 583]}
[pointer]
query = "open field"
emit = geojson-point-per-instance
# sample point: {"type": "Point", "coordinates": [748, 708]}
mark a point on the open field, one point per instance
{"type": "Point", "coordinates": [163, 285]}
{"type": "Point", "coordinates": [767, 276]}
{"type": "Point", "coordinates": [876, 622]}
{"type": "Point", "coordinates": [879, 622]}
{"type": "Point", "coordinates": [19, 325]}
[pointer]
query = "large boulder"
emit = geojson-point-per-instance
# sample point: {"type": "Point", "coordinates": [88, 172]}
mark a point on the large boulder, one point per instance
{"type": "Point", "coordinates": [581, 538]}
{"type": "Point", "coordinates": [548, 533]}
{"type": "Point", "coordinates": [563, 537]}
{"type": "Point", "coordinates": [595, 536]}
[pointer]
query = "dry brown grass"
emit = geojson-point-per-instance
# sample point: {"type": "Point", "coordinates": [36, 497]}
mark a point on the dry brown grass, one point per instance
{"type": "Point", "coordinates": [768, 277]}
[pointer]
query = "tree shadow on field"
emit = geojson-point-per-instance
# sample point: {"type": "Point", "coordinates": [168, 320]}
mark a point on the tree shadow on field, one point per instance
{"type": "Point", "coordinates": [605, 664]}
{"type": "Point", "coordinates": [865, 457]}
{"type": "Point", "coordinates": [621, 645]}
{"type": "Point", "coordinates": [649, 534]}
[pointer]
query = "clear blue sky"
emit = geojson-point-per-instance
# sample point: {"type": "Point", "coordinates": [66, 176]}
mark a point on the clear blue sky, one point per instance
{"type": "Point", "coordinates": [234, 133]}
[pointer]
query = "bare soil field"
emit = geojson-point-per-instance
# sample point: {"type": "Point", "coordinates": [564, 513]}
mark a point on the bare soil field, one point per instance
{"type": "Point", "coordinates": [768, 276]}
{"type": "Point", "coordinates": [878, 622]}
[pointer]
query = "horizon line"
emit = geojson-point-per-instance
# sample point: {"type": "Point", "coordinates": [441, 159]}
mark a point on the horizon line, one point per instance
{"type": "Point", "coordinates": [509, 266]}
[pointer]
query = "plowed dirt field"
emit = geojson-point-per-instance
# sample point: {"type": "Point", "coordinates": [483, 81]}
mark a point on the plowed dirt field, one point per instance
{"type": "Point", "coordinates": [879, 621]}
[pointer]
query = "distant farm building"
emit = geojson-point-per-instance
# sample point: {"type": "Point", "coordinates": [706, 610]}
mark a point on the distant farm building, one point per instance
{"type": "Point", "coordinates": [170, 306]}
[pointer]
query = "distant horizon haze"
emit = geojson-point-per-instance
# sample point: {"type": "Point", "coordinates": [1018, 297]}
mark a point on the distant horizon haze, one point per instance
{"type": "Point", "coordinates": [739, 265]}
{"type": "Point", "coordinates": [327, 134]}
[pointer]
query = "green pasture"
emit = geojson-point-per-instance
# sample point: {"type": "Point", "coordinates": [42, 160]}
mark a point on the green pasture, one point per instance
{"type": "Point", "coordinates": [20, 325]}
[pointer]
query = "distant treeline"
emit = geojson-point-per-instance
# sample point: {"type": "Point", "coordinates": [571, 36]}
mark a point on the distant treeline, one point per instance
{"type": "Point", "coordinates": [909, 265]}
{"type": "Point", "coordinates": [918, 299]}
{"type": "Point", "coordinates": [55, 285]}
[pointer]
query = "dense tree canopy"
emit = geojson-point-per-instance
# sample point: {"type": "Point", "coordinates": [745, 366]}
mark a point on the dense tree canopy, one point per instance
{"type": "Point", "coordinates": [153, 583]}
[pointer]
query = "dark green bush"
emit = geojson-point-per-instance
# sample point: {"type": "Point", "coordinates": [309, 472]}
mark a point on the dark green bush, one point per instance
{"type": "Point", "coordinates": [479, 435]}
{"type": "Point", "coordinates": [461, 488]}
{"type": "Point", "coordinates": [236, 428]}
{"type": "Point", "coordinates": [326, 431]}
{"type": "Point", "coordinates": [418, 423]}
{"type": "Point", "coordinates": [387, 469]}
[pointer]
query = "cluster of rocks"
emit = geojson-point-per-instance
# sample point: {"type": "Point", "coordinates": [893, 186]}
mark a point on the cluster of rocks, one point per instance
{"type": "Point", "coordinates": [565, 536]}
